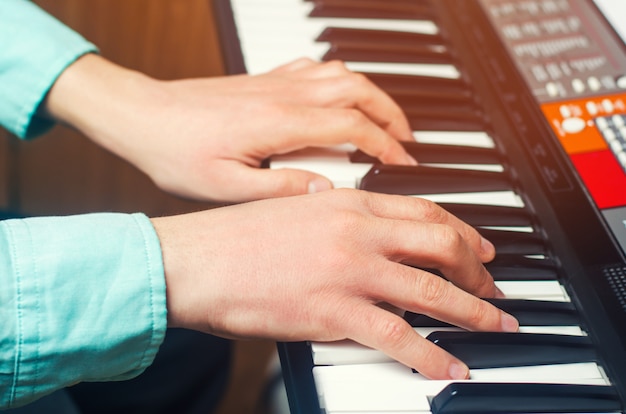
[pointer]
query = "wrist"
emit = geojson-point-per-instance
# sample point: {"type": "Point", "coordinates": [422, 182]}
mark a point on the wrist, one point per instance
{"type": "Point", "coordinates": [100, 99]}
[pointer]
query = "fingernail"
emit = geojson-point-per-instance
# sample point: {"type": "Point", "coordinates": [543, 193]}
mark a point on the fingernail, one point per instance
{"type": "Point", "coordinates": [487, 247]}
{"type": "Point", "coordinates": [458, 371]}
{"type": "Point", "coordinates": [499, 294]}
{"type": "Point", "coordinates": [410, 160]}
{"type": "Point", "coordinates": [319, 184]}
{"type": "Point", "coordinates": [509, 323]}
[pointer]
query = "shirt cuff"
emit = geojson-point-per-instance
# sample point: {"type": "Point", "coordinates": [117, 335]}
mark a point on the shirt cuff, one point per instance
{"type": "Point", "coordinates": [82, 299]}
{"type": "Point", "coordinates": [40, 49]}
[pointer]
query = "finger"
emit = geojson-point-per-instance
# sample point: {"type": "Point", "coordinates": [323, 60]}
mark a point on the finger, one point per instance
{"type": "Point", "coordinates": [241, 182]}
{"type": "Point", "coordinates": [325, 127]}
{"type": "Point", "coordinates": [423, 292]}
{"type": "Point", "coordinates": [356, 91]}
{"type": "Point", "coordinates": [422, 210]}
{"type": "Point", "coordinates": [433, 246]}
{"type": "Point", "coordinates": [335, 85]}
{"type": "Point", "coordinates": [441, 247]}
{"type": "Point", "coordinates": [389, 333]}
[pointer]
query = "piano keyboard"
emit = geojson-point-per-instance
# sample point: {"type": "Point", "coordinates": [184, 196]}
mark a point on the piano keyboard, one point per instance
{"type": "Point", "coordinates": [472, 163]}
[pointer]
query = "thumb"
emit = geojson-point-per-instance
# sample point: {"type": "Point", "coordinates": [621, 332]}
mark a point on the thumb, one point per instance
{"type": "Point", "coordinates": [251, 183]}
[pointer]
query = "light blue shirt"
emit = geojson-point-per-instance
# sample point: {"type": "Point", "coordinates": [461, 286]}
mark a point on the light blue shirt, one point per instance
{"type": "Point", "coordinates": [34, 49]}
{"type": "Point", "coordinates": [83, 297]}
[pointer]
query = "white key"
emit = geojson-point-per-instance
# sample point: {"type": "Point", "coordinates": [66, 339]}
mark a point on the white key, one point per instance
{"type": "Point", "coordinates": [535, 289]}
{"type": "Point", "coordinates": [521, 229]}
{"type": "Point", "coordinates": [273, 33]}
{"type": "Point", "coordinates": [415, 69]}
{"type": "Point", "coordinates": [332, 163]}
{"type": "Point", "coordinates": [490, 198]}
{"type": "Point", "coordinates": [392, 387]}
{"type": "Point", "coordinates": [477, 167]}
{"type": "Point", "coordinates": [473, 139]}
{"type": "Point", "coordinates": [272, 21]}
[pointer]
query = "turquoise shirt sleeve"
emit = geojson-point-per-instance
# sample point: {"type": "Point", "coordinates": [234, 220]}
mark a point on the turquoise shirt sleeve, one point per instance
{"type": "Point", "coordinates": [81, 298]}
{"type": "Point", "coordinates": [35, 48]}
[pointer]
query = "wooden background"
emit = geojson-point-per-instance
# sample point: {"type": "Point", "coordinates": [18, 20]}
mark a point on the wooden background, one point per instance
{"type": "Point", "coordinates": [64, 173]}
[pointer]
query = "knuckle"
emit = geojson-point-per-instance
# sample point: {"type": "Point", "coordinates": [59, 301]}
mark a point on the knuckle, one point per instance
{"type": "Point", "coordinates": [477, 315]}
{"type": "Point", "coordinates": [346, 193]}
{"type": "Point", "coordinates": [432, 212]}
{"type": "Point", "coordinates": [358, 87]}
{"type": "Point", "coordinates": [431, 290]}
{"type": "Point", "coordinates": [358, 80]}
{"type": "Point", "coordinates": [448, 239]}
{"type": "Point", "coordinates": [368, 201]}
{"type": "Point", "coordinates": [347, 221]}
{"type": "Point", "coordinates": [394, 331]}
{"type": "Point", "coordinates": [346, 215]}
{"type": "Point", "coordinates": [337, 65]}
{"type": "Point", "coordinates": [354, 118]}
{"type": "Point", "coordinates": [345, 199]}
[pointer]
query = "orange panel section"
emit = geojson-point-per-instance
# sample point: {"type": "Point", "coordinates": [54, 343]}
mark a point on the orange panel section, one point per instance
{"type": "Point", "coordinates": [572, 121]}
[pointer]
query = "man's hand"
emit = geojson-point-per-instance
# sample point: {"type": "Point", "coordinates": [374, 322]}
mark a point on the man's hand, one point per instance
{"type": "Point", "coordinates": [206, 138]}
{"type": "Point", "coordinates": [326, 267]}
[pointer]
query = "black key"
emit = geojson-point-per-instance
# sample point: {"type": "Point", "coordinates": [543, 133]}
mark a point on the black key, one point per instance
{"type": "Point", "coordinates": [511, 398]}
{"type": "Point", "coordinates": [527, 312]}
{"type": "Point", "coordinates": [436, 99]}
{"type": "Point", "coordinates": [442, 121]}
{"type": "Point", "coordinates": [442, 108]}
{"type": "Point", "coordinates": [437, 153]}
{"type": "Point", "coordinates": [410, 103]}
{"type": "Point", "coordinates": [503, 349]}
{"type": "Point", "coordinates": [515, 242]}
{"type": "Point", "coordinates": [407, 180]}
{"type": "Point", "coordinates": [446, 109]}
{"type": "Point", "coordinates": [485, 215]}
{"type": "Point", "coordinates": [378, 37]}
{"type": "Point", "coordinates": [426, 88]}
{"type": "Point", "coordinates": [372, 9]}
{"type": "Point", "coordinates": [507, 267]}
{"type": "Point", "coordinates": [396, 53]}
{"type": "Point", "coordinates": [517, 267]}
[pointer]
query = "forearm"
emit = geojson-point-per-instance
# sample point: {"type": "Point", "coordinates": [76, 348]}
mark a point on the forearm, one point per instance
{"type": "Point", "coordinates": [102, 100]}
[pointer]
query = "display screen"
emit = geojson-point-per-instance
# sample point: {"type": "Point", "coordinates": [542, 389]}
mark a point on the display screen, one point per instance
{"type": "Point", "coordinates": [562, 48]}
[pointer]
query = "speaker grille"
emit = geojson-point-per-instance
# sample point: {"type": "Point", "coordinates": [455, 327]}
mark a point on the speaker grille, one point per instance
{"type": "Point", "coordinates": [616, 277]}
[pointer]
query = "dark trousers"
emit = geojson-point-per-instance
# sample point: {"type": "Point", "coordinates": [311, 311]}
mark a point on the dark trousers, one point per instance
{"type": "Point", "coordinates": [189, 376]}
